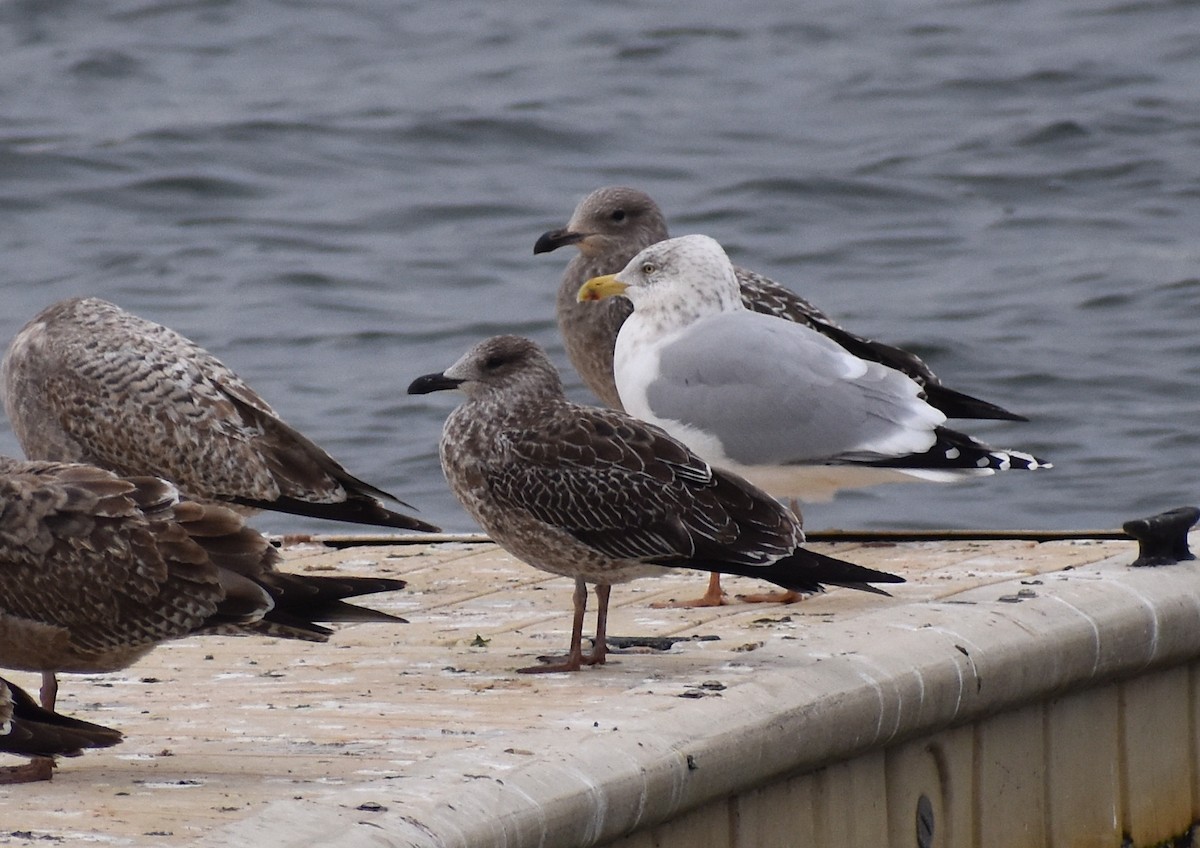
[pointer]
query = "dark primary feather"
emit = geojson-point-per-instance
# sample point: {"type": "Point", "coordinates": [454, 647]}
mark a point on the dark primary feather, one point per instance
{"type": "Point", "coordinates": [301, 466]}
{"type": "Point", "coordinates": [27, 729]}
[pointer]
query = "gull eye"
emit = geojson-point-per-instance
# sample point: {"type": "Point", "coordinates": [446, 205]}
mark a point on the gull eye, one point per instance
{"type": "Point", "coordinates": [649, 268]}
{"type": "Point", "coordinates": [493, 362]}
{"type": "Point", "coordinates": [618, 215]}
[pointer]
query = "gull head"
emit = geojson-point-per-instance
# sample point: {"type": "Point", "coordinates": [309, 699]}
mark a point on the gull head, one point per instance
{"type": "Point", "coordinates": [612, 220]}
{"type": "Point", "coordinates": [689, 276]}
{"type": "Point", "coordinates": [498, 365]}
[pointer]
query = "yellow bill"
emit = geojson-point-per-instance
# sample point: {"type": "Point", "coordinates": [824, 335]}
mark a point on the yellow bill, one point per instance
{"type": "Point", "coordinates": [598, 288]}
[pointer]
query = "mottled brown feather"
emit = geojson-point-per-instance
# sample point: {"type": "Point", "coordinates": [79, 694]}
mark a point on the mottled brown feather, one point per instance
{"type": "Point", "coordinates": [27, 729]}
{"type": "Point", "coordinates": [86, 381]}
{"type": "Point", "coordinates": [96, 569]}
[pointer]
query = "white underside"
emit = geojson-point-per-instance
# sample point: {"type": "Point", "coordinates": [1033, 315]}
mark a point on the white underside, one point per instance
{"type": "Point", "coordinates": [819, 483]}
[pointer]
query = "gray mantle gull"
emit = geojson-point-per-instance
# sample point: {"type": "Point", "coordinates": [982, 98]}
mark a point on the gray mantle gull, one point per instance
{"type": "Point", "coordinates": [767, 398]}
{"type": "Point", "coordinates": [598, 496]}
{"type": "Point", "coordinates": [31, 731]}
{"type": "Point", "coordinates": [612, 224]}
{"type": "Point", "coordinates": [97, 569]}
{"type": "Point", "coordinates": [86, 381]}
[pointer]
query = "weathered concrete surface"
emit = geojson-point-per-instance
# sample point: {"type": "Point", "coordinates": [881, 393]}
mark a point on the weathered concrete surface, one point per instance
{"type": "Point", "coordinates": [421, 734]}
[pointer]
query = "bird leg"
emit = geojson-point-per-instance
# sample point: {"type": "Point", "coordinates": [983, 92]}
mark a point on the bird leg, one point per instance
{"type": "Point", "coordinates": [49, 690]}
{"type": "Point", "coordinates": [38, 768]}
{"type": "Point", "coordinates": [573, 661]}
{"type": "Point", "coordinates": [788, 597]}
{"type": "Point", "coordinates": [600, 646]}
{"type": "Point", "coordinates": [713, 597]}
{"type": "Point", "coordinates": [779, 596]}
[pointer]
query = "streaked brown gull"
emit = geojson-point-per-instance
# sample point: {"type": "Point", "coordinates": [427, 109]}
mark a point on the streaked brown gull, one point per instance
{"type": "Point", "coordinates": [97, 569]}
{"type": "Point", "coordinates": [598, 496]}
{"type": "Point", "coordinates": [31, 731]}
{"type": "Point", "coordinates": [86, 381]}
{"type": "Point", "coordinates": [612, 224]}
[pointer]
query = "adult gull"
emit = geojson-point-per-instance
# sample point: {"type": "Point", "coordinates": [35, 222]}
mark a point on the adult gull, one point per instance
{"type": "Point", "coordinates": [598, 496]}
{"type": "Point", "coordinates": [770, 399]}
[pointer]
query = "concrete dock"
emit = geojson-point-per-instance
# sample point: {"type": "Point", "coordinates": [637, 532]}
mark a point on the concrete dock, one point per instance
{"type": "Point", "coordinates": [1012, 693]}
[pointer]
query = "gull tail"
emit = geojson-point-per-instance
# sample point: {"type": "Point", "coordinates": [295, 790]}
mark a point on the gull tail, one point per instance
{"type": "Point", "coordinates": [952, 403]}
{"type": "Point", "coordinates": [37, 732]}
{"type": "Point", "coordinates": [808, 571]}
{"type": "Point", "coordinates": [303, 600]}
{"type": "Point", "coordinates": [355, 510]}
{"type": "Point", "coordinates": [959, 405]}
{"type": "Point", "coordinates": [958, 453]}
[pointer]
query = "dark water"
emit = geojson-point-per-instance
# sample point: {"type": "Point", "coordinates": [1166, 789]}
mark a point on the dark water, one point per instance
{"type": "Point", "coordinates": [337, 197]}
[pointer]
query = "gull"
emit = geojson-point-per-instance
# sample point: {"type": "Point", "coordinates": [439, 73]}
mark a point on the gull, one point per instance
{"type": "Point", "coordinates": [598, 496]}
{"type": "Point", "coordinates": [612, 224]}
{"type": "Point", "coordinates": [28, 730]}
{"type": "Point", "coordinates": [97, 569]}
{"type": "Point", "coordinates": [770, 399]}
{"type": "Point", "coordinates": [86, 381]}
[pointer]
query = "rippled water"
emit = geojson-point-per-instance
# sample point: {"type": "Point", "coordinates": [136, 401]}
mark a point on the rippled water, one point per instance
{"type": "Point", "coordinates": [337, 197]}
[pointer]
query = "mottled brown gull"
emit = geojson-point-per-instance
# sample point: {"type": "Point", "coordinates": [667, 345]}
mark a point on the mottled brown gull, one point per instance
{"type": "Point", "coordinates": [97, 569]}
{"type": "Point", "coordinates": [31, 731]}
{"type": "Point", "coordinates": [612, 224]}
{"type": "Point", "coordinates": [86, 381]}
{"type": "Point", "coordinates": [598, 496]}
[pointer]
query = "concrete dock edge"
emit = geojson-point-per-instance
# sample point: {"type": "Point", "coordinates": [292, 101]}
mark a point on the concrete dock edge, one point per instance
{"type": "Point", "coordinates": [885, 676]}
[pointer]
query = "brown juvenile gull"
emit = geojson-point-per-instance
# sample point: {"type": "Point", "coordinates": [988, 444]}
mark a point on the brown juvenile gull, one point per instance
{"type": "Point", "coordinates": [97, 569]}
{"type": "Point", "coordinates": [28, 730]}
{"type": "Point", "coordinates": [86, 381]}
{"type": "Point", "coordinates": [598, 496]}
{"type": "Point", "coordinates": [771, 399]}
{"type": "Point", "coordinates": [612, 224]}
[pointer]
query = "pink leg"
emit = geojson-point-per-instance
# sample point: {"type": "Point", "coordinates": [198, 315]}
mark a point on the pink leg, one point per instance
{"type": "Point", "coordinates": [574, 658]}
{"type": "Point", "coordinates": [600, 649]}
{"type": "Point", "coordinates": [38, 768]}
{"type": "Point", "coordinates": [713, 597]}
{"type": "Point", "coordinates": [49, 691]}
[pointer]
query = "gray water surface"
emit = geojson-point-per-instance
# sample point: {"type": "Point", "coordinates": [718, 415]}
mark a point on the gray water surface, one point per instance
{"type": "Point", "coordinates": [335, 197]}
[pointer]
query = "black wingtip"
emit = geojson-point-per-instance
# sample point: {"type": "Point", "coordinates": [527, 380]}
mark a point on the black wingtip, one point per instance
{"type": "Point", "coordinates": [361, 510]}
{"type": "Point", "coordinates": [40, 732]}
{"type": "Point", "coordinates": [302, 600]}
{"type": "Point", "coordinates": [808, 571]}
{"type": "Point", "coordinates": [958, 405]}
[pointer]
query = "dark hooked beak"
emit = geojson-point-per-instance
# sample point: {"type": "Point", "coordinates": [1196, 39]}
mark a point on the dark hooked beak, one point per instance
{"type": "Point", "coordinates": [427, 383]}
{"type": "Point", "coordinates": [554, 239]}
